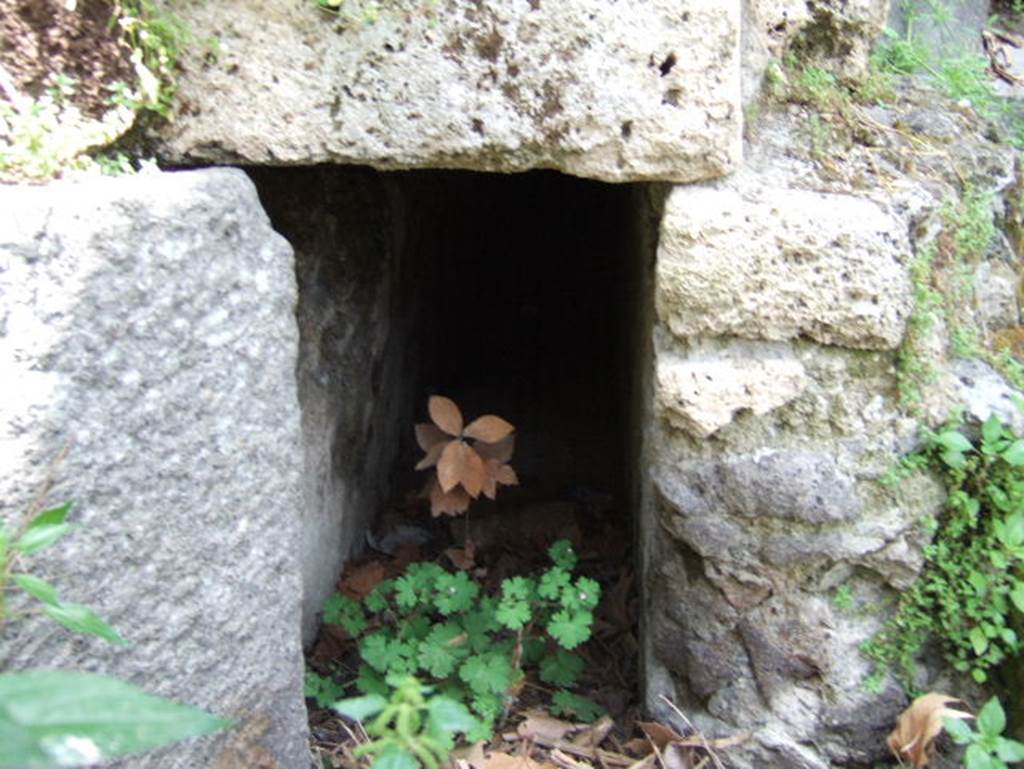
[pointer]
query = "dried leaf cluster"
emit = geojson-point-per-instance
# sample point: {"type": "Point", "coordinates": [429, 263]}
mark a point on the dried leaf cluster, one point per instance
{"type": "Point", "coordinates": [919, 725]}
{"type": "Point", "coordinates": [470, 459]}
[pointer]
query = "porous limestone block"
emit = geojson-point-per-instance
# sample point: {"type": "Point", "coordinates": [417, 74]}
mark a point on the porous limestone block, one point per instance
{"type": "Point", "coordinates": [701, 391]}
{"type": "Point", "coordinates": [777, 264]}
{"type": "Point", "coordinates": [147, 329]}
{"type": "Point", "coordinates": [637, 90]}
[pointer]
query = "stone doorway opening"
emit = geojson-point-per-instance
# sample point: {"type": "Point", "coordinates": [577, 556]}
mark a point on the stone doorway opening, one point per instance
{"type": "Point", "coordinates": [526, 296]}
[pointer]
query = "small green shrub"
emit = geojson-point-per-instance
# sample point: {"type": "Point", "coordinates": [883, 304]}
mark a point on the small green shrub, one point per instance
{"type": "Point", "coordinates": [411, 729]}
{"type": "Point", "coordinates": [66, 718]}
{"type": "Point", "coordinates": [972, 585]}
{"type": "Point", "coordinates": [441, 626]}
{"type": "Point", "coordinates": [987, 748]}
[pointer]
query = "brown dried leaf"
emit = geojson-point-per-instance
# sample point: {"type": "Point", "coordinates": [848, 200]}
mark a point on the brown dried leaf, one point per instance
{"type": "Point", "coordinates": [488, 428]}
{"type": "Point", "coordinates": [541, 727]}
{"type": "Point", "coordinates": [462, 558]}
{"type": "Point", "coordinates": [359, 581]}
{"type": "Point", "coordinates": [506, 476]}
{"type": "Point", "coordinates": [454, 502]}
{"type": "Point", "coordinates": [498, 760]}
{"type": "Point", "coordinates": [433, 455]}
{"type": "Point", "coordinates": [501, 451]}
{"type": "Point", "coordinates": [450, 465]}
{"type": "Point", "coordinates": [445, 414]}
{"type": "Point", "coordinates": [428, 435]}
{"type": "Point", "coordinates": [459, 464]}
{"type": "Point", "coordinates": [595, 734]}
{"type": "Point", "coordinates": [919, 725]}
{"type": "Point", "coordinates": [490, 486]}
{"type": "Point", "coordinates": [658, 734]}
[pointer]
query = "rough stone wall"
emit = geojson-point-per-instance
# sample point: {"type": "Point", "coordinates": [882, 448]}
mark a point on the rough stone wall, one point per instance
{"type": "Point", "coordinates": [782, 295]}
{"type": "Point", "coordinates": [645, 89]}
{"type": "Point", "coordinates": [354, 372]}
{"type": "Point", "coordinates": [147, 325]}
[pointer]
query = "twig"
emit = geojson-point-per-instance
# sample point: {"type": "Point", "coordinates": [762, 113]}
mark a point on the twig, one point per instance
{"type": "Point", "coordinates": [689, 724]}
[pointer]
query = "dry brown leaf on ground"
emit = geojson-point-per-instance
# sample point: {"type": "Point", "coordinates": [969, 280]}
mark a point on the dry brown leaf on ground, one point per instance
{"type": "Point", "coordinates": [540, 727]}
{"type": "Point", "coordinates": [595, 734]}
{"type": "Point", "coordinates": [471, 755]}
{"type": "Point", "coordinates": [358, 581]}
{"type": "Point", "coordinates": [919, 725]}
{"type": "Point", "coordinates": [659, 734]}
{"type": "Point", "coordinates": [497, 760]}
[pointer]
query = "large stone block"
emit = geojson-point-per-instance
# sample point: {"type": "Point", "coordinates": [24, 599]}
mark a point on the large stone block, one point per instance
{"type": "Point", "coordinates": [147, 325]}
{"type": "Point", "coordinates": [641, 90]}
{"type": "Point", "coordinates": [765, 263]}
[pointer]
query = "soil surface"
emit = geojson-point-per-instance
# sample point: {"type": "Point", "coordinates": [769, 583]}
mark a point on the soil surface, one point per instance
{"type": "Point", "coordinates": [41, 37]}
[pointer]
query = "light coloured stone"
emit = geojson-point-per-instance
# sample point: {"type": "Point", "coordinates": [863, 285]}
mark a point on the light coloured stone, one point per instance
{"type": "Point", "coordinates": [777, 264]}
{"type": "Point", "coordinates": [702, 393]}
{"type": "Point", "coordinates": [996, 287]}
{"type": "Point", "coordinates": [147, 328]}
{"type": "Point", "coordinates": [641, 90]}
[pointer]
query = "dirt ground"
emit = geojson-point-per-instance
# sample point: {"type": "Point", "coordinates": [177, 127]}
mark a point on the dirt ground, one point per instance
{"type": "Point", "coordinates": [40, 37]}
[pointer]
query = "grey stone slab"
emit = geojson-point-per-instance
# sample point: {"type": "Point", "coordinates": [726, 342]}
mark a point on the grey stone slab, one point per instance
{"type": "Point", "coordinates": [147, 326]}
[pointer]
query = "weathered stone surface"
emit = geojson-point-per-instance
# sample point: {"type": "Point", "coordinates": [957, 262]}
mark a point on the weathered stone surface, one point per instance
{"type": "Point", "coordinates": [996, 287]}
{"type": "Point", "coordinates": [950, 34]}
{"type": "Point", "coordinates": [766, 263]}
{"type": "Point", "coordinates": [792, 485]}
{"type": "Point", "coordinates": [147, 325]}
{"type": "Point", "coordinates": [356, 397]}
{"type": "Point", "coordinates": [701, 392]}
{"type": "Point", "coordinates": [837, 34]}
{"type": "Point", "coordinates": [645, 90]}
{"type": "Point", "coordinates": [983, 393]}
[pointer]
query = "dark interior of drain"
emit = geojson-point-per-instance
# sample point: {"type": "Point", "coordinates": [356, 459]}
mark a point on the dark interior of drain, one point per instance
{"type": "Point", "coordinates": [518, 295]}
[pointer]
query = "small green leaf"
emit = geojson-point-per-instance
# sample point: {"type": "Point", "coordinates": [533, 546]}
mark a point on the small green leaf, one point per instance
{"type": "Point", "coordinates": [953, 440]}
{"type": "Point", "coordinates": [513, 613]}
{"type": "Point", "coordinates": [394, 757]}
{"type": "Point", "coordinates": [370, 681]}
{"type": "Point", "coordinates": [361, 708]}
{"type": "Point", "coordinates": [450, 716]}
{"type": "Point", "coordinates": [342, 610]}
{"type": "Point", "coordinates": [487, 673]}
{"type": "Point", "coordinates": [1014, 453]}
{"type": "Point", "coordinates": [991, 429]}
{"type": "Point", "coordinates": [1010, 750]}
{"type": "Point", "coordinates": [567, 703]}
{"type": "Point", "coordinates": [977, 757]}
{"type": "Point", "coordinates": [1017, 596]}
{"type": "Point", "coordinates": [61, 718]}
{"type": "Point", "coordinates": [563, 555]}
{"type": "Point", "coordinates": [552, 582]}
{"type": "Point", "coordinates": [455, 593]}
{"type": "Point", "coordinates": [561, 668]}
{"type": "Point", "coordinates": [570, 629]}
{"type": "Point", "coordinates": [958, 729]}
{"type": "Point", "coordinates": [40, 537]}
{"type": "Point", "coordinates": [82, 619]}
{"type": "Point", "coordinates": [37, 588]}
{"type": "Point", "coordinates": [52, 517]}
{"type": "Point", "coordinates": [992, 719]}
{"type": "Point", "coordinates": [978, 639]}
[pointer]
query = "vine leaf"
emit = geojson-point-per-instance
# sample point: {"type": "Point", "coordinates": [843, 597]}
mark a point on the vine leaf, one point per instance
{"type": "Point", "coordinates": [919, 725]}
{"type": "Point", "coordinates": [445, 414]}
{"type": "Point", "coordinates": [489, 429]}
{"type": "Point", "coordinates": [470, 461]}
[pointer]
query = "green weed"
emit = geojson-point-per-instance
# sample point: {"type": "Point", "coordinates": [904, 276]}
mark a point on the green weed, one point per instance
{"type": "Point", "coordinates": [972, 585]}
{"type": "Point", "coordinates": [441, 626]}
{"type": "Point", "coordinates": [987, 748]}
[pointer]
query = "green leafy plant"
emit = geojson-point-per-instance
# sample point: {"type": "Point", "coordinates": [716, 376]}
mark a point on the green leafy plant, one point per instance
{"type": "Point", "coordinates": [442, 626]}
{"type": "Point", "coordinates": [158, 39]}
{"type": "Point", "coordinates": [66, 718]}
{"type": "Point", "coordinates": [987, 748]}
{"type": "Point", "coordinates": [972, 586]}
{"type": "Point", "coordinates": [324, 690]}
{"type": "Point", "coordinates": [411, 729]}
